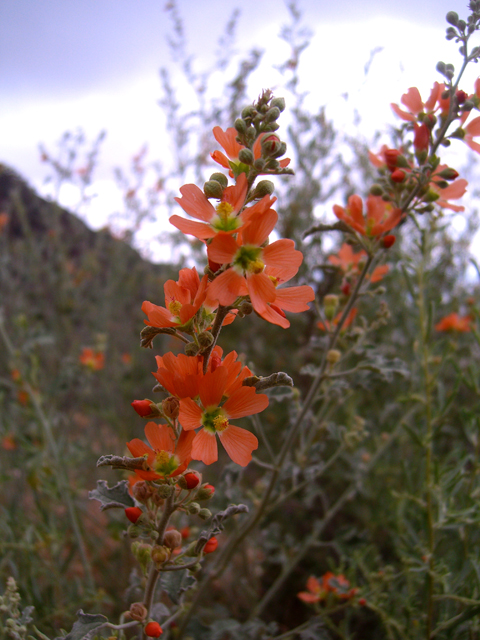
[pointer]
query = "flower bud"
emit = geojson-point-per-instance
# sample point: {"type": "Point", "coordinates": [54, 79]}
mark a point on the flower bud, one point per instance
{"type": "Point", "coordinates": [346, 288]}
{"type": "Point", "coordinates": [133, 513]}
{"type": "Point", "coordinates": [164, 490]}
{"type": "Point", "coordinates": [431, 196]}
{"type": "Point", "coordinates": [134, 531]}
{"type": "Point", "coordinates": [330, 306]}
{"type": "Point", "coordinates": [388, 241]}
{"type": "Point", "coordinates": [211, 545]}
{"type": "Point", "coordinates": [452, 18]}
{"type": "Point", "coordinates": [245, 308]}
{"type": "Point", "coordinates": [206, 492]}
{"type": "Point", "coordinates": [205, 339]}
{"type": "Point", "coordinates": [421, 137]}
{"type": "Point", "coordinates": [263, 188]}
{"type": "Point", "coordinates": [195, 568]}
{"type": "Point", "coordinates": [153, 630]}
{"type": "Point", "coordinates": [259, 164]}
{"type": "Point", "coordinates": [160, 553]}
{"type": "Point", "coordinates": [191, 480]}
{"type": "Point", "coordinates": [245, 155]}
{"type": "Point", "coordinates": [461, 96]}
{"type": "Point", "coordinates": [171, 407]}
{"type": "Point", "coordinates": [142, 492]}
{"type": "Point", "coordinates": [272, 115]}
{"type": "Point", "coordinates": [248, 112]}
{"type": "Point", "coordinates": [221, 178]}
{"type": "Point", "coordinates": [142, 552]}
{"type": "Point", "coordinates": [138, 611]}
{"type": "Point", "coordinates": [376, 190]}
{"type": "Point", "coordinates": [448, 174]}
{"type": "Point", "coordinates": [193, 508]}
{"type": "Point", "coordinates": [213, 189]}
{"type": "Point", "coordinates": [146, 408]}
{"type": "Point", "coordinates": [172, 539]}
{"type": "Point", "coordinates": [240, 125]}
{"type": "Point", "coordinates": [271, 145]}
{"type": "Point", "coordinates": [279, 103]}
{"type": "Point", "coordinates": [191, 349]}
{"type": "Point", "coordinates": [204, 514]}
{"type": "Point", "coordinates": [391, 156]}
{"type": "Point", "coordinates": [398, 176]}
{"type": "Point", "coordinates": [333, 356]}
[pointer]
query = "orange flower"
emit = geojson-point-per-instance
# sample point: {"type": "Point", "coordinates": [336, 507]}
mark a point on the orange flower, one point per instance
{"type": "Point", "coordinates": [331, 583]}
{"type": "Point", "coordinates": [224, 217]}
{"type": "Point", "coordinates": [454, 191]}
{"type": "Point", "coordinates": [246, 276]}
{"type": "Point", "coordinates": [165, 456]}
{"type": "Point", "coordinates": [292, 299]}
{"type": "Point", "coordinates": [350, 263]}
{"type": "Point", "coordinates": [213, 418]}
{"type": "Point", "coordinates": [94, 360]}
{"type": "Point", "coordinates": [453, 322]}
{"type": "Point", "coordinates": [331, 325]}
{"type": "Point", "coordinates": [380, 216]}
{"type": "Point", "coordinates": [182, 300]}
{"type": "Point", "coordinates": [227, 139]}
{"type": "Point", "coordinates": [413, 101]}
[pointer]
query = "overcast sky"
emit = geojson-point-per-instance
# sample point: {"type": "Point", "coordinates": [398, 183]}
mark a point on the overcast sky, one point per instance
{"type": "Point", "coordinates": [95, 63]}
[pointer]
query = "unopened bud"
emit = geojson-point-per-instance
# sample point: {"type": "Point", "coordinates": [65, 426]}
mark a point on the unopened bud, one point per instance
{"type": "Point", "coordinates": [138, 611]}
{"type": "Point", "coordinates": [333, 356]}
{"type": "Point", "coordinates": [220, 178]}
{"type": "Point", "coordinates": [259, 164]}
{"type": "Point", "coordinates": [146, 408]}
{"type": "Point", "coordinates": [461, 96]}
{"type": "Point", "coordinates": [164, 491]}
{"type": "Point", "coordinates": [263, 188]}
{"type": "Point", "coordinates": [398, 176]}
{"type": "Point", "coordinates": [213, 189]}
{"type": "Point", "coordinates": [171, 407]}
{"type": "Point", "coordinates": [248, 112]}
{"type": "Point", "coordinates": [431, 196]}
{"type": "Point", "coordinates": [172, 539]}
{"type": "Point", "coordinates": [189, 481]}
{"type": "Point", "coordinates": [376, 190]}
{"type": "Point", "coordinates": [195, 568]}
{"type": "Point", "coordinates": [330, 306]}
{"type": "Point", "coordinates": [205, 339]}
{"type": "Point", "coordinates": [388, 241]}
{"type": "Point", "coordinates": [448, 174]}
{"type": "Point", "coordinates": [211, 545]}
{"type": "Point", "coordinates": [134, 531]}
{"type": "Point", "coordinates": [191, 349]}
{"type": "Point", "coordinates": [458, 133]}
{"type": "Point", "coordinates": [142, 492]}
{"type": "Point", "coordinates": [279, 103]}
{"type": "Point", "coordinates": [142, 552]}
{"type": "Point", "coordinates": [246, 156]}
{"type": "Point", "coordinates": [452, 18]}
{"type": "Point", "coordinates": [206, 492]}
{"type": "Point", "coordinates": [271, 145]}
{"type": "Point", "coordinates": [153, 630]}
{"type": "Point", "coordinates": [272, 115]}
{"type": "Point", "coordinates": [204, 514]}
{"type": "Point", "coordinates": [160, 553]}
{"type": "Point", "coordinates": [193, 508]}
{"type": "Point", "coordinates": [240, 125]}
{"type": "Point", "coordinates": [133, 513]}
{"type": "Point", "coordinates": [245, 308]}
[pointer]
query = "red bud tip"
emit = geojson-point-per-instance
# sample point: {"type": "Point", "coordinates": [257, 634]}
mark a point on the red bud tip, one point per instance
{"type": "Point", "coordinates": [398, 175]}
{"type": "Point", "coordinates": [211, 545]}
{"type": "Point", "coordinates": [421, 137]}
{"type": "Point", "coordinates": [142, 407]}
{"type": "Point", "coordinates": [362, 602]}
{"type": "Point", "coordinates": [388, 241]}
{"type": "Point", "coordinates": [133, 513]}
{"type": "Point", "coordinates": [391, 156]}
{"type": "Point", "coordinates": [346, 288]}
{"type": "Point", "coordinates": [192, 480]}
{"type": "Point", "coordinates": [210, 488]}
{"type": "Point", "coordinates": [153, 630]}
{"type": "Point", "coordinates": [461, 96]}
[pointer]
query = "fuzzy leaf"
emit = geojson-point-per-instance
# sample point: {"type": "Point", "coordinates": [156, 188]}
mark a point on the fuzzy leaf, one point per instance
{"type": "Point", "coordinates": [176, 583]}
{"type": "Point", "coordinates": [116, 497]}
{"type": "Point", "coordinates": [85, 625]}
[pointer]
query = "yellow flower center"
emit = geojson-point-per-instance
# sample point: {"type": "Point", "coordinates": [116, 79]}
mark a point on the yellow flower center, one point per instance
{"type": "Point", "coordinates": [224, 209]}
{"type": "Point", "coordinates": [274, 280]}
{"type": "Point", "coordinates": [220, 423]}
{"type": "Point", "coordinates": [165, 463]}
{"type": "Point", "coordinates": [256, 266]}
{"type": "Point", "coordinates": [225, 220]}
{"type": "Point", "coordinates": [174, 307]}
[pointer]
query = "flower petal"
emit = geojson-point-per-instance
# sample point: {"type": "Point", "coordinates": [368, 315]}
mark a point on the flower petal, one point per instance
{"type": "Point", "coordinates": [190, 416]}
{"type": "Point", "coordinates": [245, 402]}
{"type": "Point", "coordinates": [239, 444]}
{"type": "Point", "coordinates": [204, 447]}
